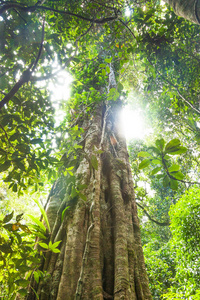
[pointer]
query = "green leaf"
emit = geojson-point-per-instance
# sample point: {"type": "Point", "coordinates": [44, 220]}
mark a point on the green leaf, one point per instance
{"type": "Point", "coordinates": [166, 181]}
{"type": "Point", "coordinates": [83, 196]}
{"type": "Point", "coordinates": [24, 268]}
{"type": "Point", "coordinates": [5, 248]}
{"type": "Point", "coordinates": [108, 60]}
{"type": "Point", "coordinates": [174, 168]}
{"type": "Point", "coordinates": [172, 144]}
{"type": "Point", "coordinates": [102, 65]}
{"type": "Point", "coordinates": [160, 144]}
{"type": "Point", "coordinates": [38, 222]}
{"type": "Point", "coordinates": [174, 148]}
{"type": "Point", "coordinates": [55, 245]}
{"type": "Point", "coordinates": [43, 245]}
{"type": "Point", "coordinates": [156, 170]}
{"type": "Point", "coordinates": [178, 150]}
{"type": "Point", "coordinates": [174, 184]}
{"type": "Point", "coordinates": [120, 87]}
{"type": "Point", "coordinates": [22, 292]}
{"type": "Point", "coordinates": [5, 166]}
{"type": "Point", "coordinates": [156, 161]}
{"type": "Point", "coordinates": [36, 141]}
{"type": "Point", "coordinates": [19, 217]}
{"type": "Point", "coordinates": [159, 176]}
{"type": "Point", "coordinates": [103, 72]}
{"type": "Point", "coordinates": [107, 69]}
{"type": "Point", "coordinates": [178, 175]}
{"type": "Point", "coordinates": [63, 213]}
{"type": "Point", "coordinates": [8, 217]}
{"type": "Point", "coordinates": [144, 154]}
{"type": "Point", "coordinates": [156, 150]}
{"type": "Point", "coordinates": [55, 250]}
{"type": "Point", "coordinates": [36, 276]}
{"type": "Point", "coordinates": [43, 212]}
{"type": "Point", "coordinates": [82, 187]}
{"type": "Point", "coordinates": [145, 163]}
{"type": "Point", "coordinates": [22, 282]}
{"type": "Point", "coordinates": [14, 188]}
{"type": "Point", "coordinates": [24, 228]}
{"type": "Point", "coordinates": [94, 162]}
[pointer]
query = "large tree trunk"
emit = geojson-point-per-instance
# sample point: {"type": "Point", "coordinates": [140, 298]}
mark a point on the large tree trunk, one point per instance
{"type": "Point", "coordinates": [188, 9]}
{"type": "Point", "coordinates": [101, 253]}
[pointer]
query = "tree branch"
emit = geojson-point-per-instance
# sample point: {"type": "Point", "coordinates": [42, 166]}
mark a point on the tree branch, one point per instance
{"type": "Point", "coordinates": [150, 218]}
{"type": "Point", "coordinates": [127, 28]}
{"type": "Point", "coordinates": [26, 75]}
{"type": "Point", "coordinates": [21, 7]}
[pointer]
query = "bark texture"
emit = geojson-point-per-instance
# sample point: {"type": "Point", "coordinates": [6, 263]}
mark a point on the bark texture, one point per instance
{"type": "Point", "coordinates": [188, 9]}
{"type": "Point", "coordinates": [101, 253]}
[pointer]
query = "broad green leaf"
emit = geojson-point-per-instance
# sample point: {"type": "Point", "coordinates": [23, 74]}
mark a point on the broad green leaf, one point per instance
{"type": "Point", "coordinates": [5, 248]}
{"type": "Point", "coordinates": [178, 175]}
{"type": "Point", "coordinates": [24, 228]}
{"type": "Point", "coordinates": [166, 181]}
{"type": "Point", "coordinates": [44, 245]}
{"type": "Point", "coordinates": [83, 196]}
{"type": "Point", "coordinates": [178, 150]}
{"type": "Point", "coordinates": [144, 154]}
{"type": "Point", "coordinates": [108, 60]}
{"type": "Point", "coordinates": [159, 176]}
{"type": "Point", "coordinates": [102, 65]}
{"type": "Point", "coordinates": [145, 163]}
{"type": "Point", "coordinates": [94, 162]}
{"type": "Point", "coordinates": [55, 250]}
{"type": "Point", "coordinates": [8, 217]}
{"type": "Point", "coordinates": [107, 69]}
{"type": "Point", "coordinates": [36, 141]}
{"type": "Point", "coordinates": [174, 168]}
{"type": "Point", "coordinates": [103, 72]}
{"type": "Point", "coordinates": [112, 90]}
{"type": "Point", "coordinates": [156, 170]}
{"type": "Point", "coordinates": [24, 268]}
{"type": "Point", "coordinates": [172, 145]}
{"type": "Point", "coordinates": [82, 187]}
{"type": "Point", "coordinates": [23, 292]}
{"type": "Point", "coordinates": [5, 166]}
{"type": "Point", "coordinates": [24, 148]}
{"type": "Point", "coordinates": [156, 161]}
{"type": "Point", "coordinates": [22, 282]}
{"type": "Point", "coordinates": [173, 184]}
{"type": "Point", "coordinates": [14, 188]}
{"type": "Point", "coordinates": [36, 276]}
{"type": "Point", "coordinates": [120, 87]}
{"type": "Point", "coordinates": [156, 150]}
{"type": "Point", "coordinates": [55, 245]}
{"type": "Point", "coordinates": [160, 144]}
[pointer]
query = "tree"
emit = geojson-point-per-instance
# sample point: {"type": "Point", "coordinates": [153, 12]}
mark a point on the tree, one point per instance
{"type": "Point", "coordinates": [189, 10]}
{"type": "Point", "coordinates": [92, 211]}
{"type": "Point", "coordinates": [91, 207]}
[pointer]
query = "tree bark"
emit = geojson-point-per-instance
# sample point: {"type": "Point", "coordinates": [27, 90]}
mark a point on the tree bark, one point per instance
{"type": "Point", "coordinates": [101, 255]}
{"type": "Point", "coordinates": [188, 9]}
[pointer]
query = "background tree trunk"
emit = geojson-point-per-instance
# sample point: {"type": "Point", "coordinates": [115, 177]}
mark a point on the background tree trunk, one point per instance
{"type": "Point", "coordinates": [188, 9]}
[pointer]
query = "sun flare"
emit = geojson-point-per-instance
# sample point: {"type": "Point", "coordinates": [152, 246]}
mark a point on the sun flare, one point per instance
{"type": "Point", "coordinates": [133, 123]}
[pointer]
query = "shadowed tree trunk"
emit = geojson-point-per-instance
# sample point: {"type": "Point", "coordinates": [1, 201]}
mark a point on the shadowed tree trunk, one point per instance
{"type": "Point", "coordinates": [101, 254]}
{"type": "Point", "coordinates": [188, 9]}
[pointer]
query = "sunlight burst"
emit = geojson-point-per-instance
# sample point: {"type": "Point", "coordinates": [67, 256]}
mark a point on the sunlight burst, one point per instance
{"type": "Point", "coordinates": [133, 123]}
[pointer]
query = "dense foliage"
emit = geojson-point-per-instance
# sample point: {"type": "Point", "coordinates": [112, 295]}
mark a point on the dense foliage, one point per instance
{"type": "Point", "coordinates": [156, 54]}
